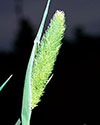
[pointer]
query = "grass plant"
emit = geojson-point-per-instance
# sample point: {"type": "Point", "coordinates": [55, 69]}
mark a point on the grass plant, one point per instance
{"type": "Point", "coordinates": [41, 63]}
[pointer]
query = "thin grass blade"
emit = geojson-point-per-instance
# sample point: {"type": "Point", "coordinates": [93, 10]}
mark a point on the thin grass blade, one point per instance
{"type": "Point", "coordinates": [27, 97]}
{"type": "Point", "coordinates": [2, 86]}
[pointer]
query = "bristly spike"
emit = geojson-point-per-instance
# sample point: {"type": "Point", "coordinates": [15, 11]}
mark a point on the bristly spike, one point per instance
{"type": "Point", "coordinates": [46, 56]}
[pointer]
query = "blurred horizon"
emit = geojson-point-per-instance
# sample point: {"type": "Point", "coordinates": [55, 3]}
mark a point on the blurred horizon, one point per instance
{"type": "Point", "coordinates": [79, 13]}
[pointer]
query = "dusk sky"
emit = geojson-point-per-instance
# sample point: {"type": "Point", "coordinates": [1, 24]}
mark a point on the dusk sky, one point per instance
{"type": "Point", "coordinates": [85, 13]}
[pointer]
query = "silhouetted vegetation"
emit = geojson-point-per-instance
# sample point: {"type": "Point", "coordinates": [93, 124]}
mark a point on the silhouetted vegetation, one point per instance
{"type": "Point", "coordinates": [72, 96]}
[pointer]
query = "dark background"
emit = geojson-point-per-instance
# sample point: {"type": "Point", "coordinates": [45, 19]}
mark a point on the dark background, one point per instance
{"type": "Point", "coordinates": [72, 96]}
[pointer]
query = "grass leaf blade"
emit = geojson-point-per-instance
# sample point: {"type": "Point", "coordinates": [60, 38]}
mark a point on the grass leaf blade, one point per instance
{"type": "Point", "coordinates": [26, 104]}
{"type": "Point", "coordinates": [2, 86]}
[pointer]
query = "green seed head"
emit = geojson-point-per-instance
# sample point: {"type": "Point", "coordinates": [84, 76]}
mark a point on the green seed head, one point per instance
{"type": "Point", "coordinates": [46, 56]}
